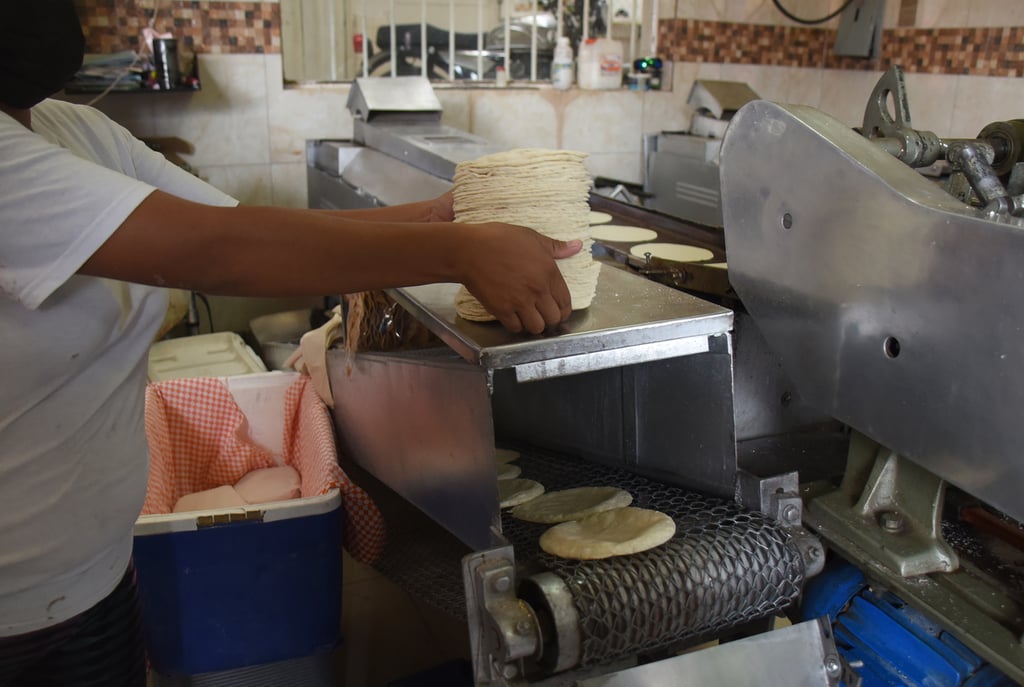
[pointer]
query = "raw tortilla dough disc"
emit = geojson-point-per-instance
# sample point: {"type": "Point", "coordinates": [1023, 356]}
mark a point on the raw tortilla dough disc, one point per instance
{"type": "Point", "coordinates": [571, 504]}
{"type": "Point", "coordinates": [505, 455]}
{"type": "Point", "coordinates": [508, 471]}
{"type": "Point", "coordinates": [512, 492]}
{"type": "Point", "coordinates": [599, 217]}
{"type": "Point", "coordinates": [672, 251]}
{"type": "Point", "coordinates": [718, 265]}
{"type": "Point", "coordinates": [620, 232]}
{"type": "Point", "coordinates": [609, 533]}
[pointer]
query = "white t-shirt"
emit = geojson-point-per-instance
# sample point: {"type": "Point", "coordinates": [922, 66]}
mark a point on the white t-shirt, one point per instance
{"type": "Point", "coordinates": [73, 350]}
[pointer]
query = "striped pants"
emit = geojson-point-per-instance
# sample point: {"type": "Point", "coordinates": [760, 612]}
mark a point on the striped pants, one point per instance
{"type": "Point", "coordinates": [99, 648]}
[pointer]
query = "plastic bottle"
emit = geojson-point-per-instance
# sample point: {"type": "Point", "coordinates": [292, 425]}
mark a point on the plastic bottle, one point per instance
{"type": "Point", "coordinates": [600, 64]}
{"type": "Point", "coordinates": [561, 65]}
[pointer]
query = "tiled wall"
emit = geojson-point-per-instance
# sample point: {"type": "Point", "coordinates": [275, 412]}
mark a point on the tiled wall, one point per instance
{"type": "Point", "coordinates": [248, 132]}
{"type": "Point", "coordinates": [200, 27]}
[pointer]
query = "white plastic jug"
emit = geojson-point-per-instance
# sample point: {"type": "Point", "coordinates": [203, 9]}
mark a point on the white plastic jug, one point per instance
{"type": "Point", "coordinates": [561, 65]}
{"type": "Point", "coordinates": [600, 64]}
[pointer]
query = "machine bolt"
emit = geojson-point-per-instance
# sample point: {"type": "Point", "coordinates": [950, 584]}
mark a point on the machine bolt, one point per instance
{"type": "Point", "coordinates": [509, 671]}
{"type": "Point", "coordinates": [832, 666]}
{"type": "Point", "coordinates": [791, 514]}
{"type": "Point", "coordinates": [891, 521]}
{"type": "Point", "coordinates": [523, 627]}
{"type": "Point", "coordinates": [501, 584]}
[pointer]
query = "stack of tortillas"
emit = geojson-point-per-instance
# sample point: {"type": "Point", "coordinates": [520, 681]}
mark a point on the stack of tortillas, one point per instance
{"type": "Point", "coordinates": [545, 190]}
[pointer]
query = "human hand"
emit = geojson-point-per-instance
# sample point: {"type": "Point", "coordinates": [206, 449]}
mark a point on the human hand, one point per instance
{"type": "Point", "coordinates": [511, 270]}
{"type": "Point", "coordinates": [441, 209]}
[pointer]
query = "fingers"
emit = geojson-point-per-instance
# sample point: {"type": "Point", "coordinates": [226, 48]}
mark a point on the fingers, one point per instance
{"type": "Point", "coordinates": [565, 249]}
{"type": "Point", "coordinates": [551, 312]}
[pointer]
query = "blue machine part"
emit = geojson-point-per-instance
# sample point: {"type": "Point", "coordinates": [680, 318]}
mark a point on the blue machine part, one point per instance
{"type": "Point", "coordinates": [888, 643]}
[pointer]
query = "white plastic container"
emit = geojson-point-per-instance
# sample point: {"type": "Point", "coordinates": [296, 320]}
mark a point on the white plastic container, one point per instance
{"type": "Point", "coordinates": [222, 354]}
{"type": "Point", "coordinates": [561, 65]}
{"type": "Point", "coordinates": [600, 64]}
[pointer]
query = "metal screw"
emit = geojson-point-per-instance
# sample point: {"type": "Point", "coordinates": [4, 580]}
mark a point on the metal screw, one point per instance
{"type": "Point", "coordinates": [502, 584]}
{"type": "Point", "coordinates": [509, 671]}
{"type": "Point", "coordinates": [523, 627]}
{"type": "Point", "coordinates": [891, 521]}
{"type": "Point", "coordinates": [787, 221]}
{"type": "Point", "coordinates": [791, 513]}
{"type": "Point", "coordinates": [832, 666]}
{"type": "Point", "coordinates": [814, 553]}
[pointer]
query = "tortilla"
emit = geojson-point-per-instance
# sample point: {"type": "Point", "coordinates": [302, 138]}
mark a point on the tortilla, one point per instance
{"type": "Point", "coordinates": [677, 252]}
{"type": "Point", "coordinates": [599, 217]}
{"type": "Point", "coordinates": [508, 471]}
{"type": "Point", "coordinates": [545, 190]}
{"type": "Point", "coordinates": [512, 492]}
{"type": "Point", "coordinates": [622, 233]}
{"type": "Point", "coordinates": [718, 265]}
{"type": "Point", "coordinates": [616, 532]}
{"type": "Point", "coordinates": [505, 455]}
{"type": "Point", "coordinates": [571, 504]}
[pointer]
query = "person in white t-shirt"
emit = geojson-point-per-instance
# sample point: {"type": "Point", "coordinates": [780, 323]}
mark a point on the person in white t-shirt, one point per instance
{"type": "Point", "coordinates": [91, 220]}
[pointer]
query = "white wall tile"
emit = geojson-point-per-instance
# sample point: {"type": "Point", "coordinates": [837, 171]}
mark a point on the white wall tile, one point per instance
{"type": "Point", "coordinates": [297, 114]}
{"type": "Point", "coordinates": [626, 167]}
{"type": "Point", "coordinates": [765, 12]}
{"type": "Point", "coordinates": [604, 122]}
{"type": "Point", "coordinates": [844, 94]}
{"type": "Point", "coordinates": [289, 187]}
{"type": "Point", "coordinates": [133, 111]}
{"type": "Point", "coordinates": [456, 107]}
{"type": "Point", "coordinates": [226, 121]}
{"type": "Point", "coordinates": [803, 86]}
{"type": "Point", "coordinates": [892, 13]}
{"type": "Point", "coordinates": [934, 13]}
{"type": "Point", "coordinates": [666, 9]}
{"type": "Point", "coordinates": [664, 111]}
{"type": "Point", "coordinates": [713, 10]}
{"type": "Point", "coordinates": [981, 100]}
{"type": "Point", "coordinates": [250, 184]}
{"type": "Point", "coordinates": [995, 13]}
{"type": "Point", "coordinates": [930, 102]}
{"type": "Point", "coordinates": [515, 118]}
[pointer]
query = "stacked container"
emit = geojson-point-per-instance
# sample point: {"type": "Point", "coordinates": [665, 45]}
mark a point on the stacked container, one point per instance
{"type": "Point", "coordinates": [600, 64]}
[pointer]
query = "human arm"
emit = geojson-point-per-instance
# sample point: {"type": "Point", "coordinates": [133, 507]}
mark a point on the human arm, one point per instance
{"type": "Point", "coordinates": [267, 251]}
{"type": "Point", "coordinates": [433, 210]}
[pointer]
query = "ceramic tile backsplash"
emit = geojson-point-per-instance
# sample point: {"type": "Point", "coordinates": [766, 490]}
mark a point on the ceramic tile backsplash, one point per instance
{"type": "Point", "coordinates": [199, 26]}
{"type": "Point", "coordinates": [981, 51]}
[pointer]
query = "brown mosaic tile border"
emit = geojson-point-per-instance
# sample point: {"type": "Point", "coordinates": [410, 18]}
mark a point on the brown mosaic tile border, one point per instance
{"type": "Point", "coordinates": [975, 51]}
{"type": "Point", "coordinates": [200, 26]}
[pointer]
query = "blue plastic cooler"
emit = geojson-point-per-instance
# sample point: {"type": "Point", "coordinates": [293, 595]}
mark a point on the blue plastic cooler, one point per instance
{"type": "Point", "coordinates": [219, 596]}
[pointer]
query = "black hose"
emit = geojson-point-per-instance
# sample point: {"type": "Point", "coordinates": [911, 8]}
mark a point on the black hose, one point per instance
{"type": "Point", "coordinates": [801, 20]}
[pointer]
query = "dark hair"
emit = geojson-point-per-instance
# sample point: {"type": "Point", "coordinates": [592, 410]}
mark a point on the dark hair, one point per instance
{"type": "Point", "coordinates": [41, 48]}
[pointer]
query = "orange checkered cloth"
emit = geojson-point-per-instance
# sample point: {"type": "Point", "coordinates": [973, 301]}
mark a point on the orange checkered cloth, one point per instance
{"type": "Point", "coordinates": [198, 440]}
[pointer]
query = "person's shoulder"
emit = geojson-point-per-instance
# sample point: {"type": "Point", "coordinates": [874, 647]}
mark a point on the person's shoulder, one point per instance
{"type": "Point", "coordinates": [68, 112]}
